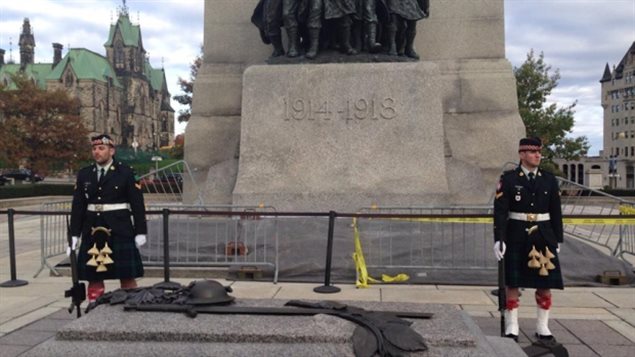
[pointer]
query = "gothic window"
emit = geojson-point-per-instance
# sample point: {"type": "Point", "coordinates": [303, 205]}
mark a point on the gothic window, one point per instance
{"type": "Point", "coordinates": [119, 55]}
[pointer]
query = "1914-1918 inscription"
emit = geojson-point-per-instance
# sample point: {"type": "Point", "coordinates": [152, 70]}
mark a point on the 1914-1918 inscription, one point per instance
{"type": "Point", "coordinates": [299, 109]}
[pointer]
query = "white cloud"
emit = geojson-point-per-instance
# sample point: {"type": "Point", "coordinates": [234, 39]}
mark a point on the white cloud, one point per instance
{"type": "Point", "coordinates": [577, 36]}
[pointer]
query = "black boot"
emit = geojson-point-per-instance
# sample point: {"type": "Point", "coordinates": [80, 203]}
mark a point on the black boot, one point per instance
{"type": "Point", "coordinates": [314, 38]}
{"type": "Point", "coordinates": [411, 33]}
{"type": "Point", "coordinates": [392, 36]}
{"type": "Point", "coordinates": [276, 42]}
{"type": "Point", "coordinates": [357, 37]}
{"type": "Point", "coordinates": [293, 42]}
{"type": "Point", "coordinates": [345, 36]}
{"type": "Point", "coordinates": [371, 32]}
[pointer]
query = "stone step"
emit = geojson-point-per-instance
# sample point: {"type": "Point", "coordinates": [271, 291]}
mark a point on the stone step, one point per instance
{"type": "Point", "coordinates": [111, 329]}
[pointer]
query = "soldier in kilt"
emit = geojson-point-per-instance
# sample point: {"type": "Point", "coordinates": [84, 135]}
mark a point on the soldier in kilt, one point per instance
{"type": "Point", "coordinates": [528, 233]}
{"type": "Point", "coordinates": [106, 199]}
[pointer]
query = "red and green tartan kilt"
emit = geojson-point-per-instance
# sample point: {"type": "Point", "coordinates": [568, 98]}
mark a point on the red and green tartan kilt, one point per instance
{"type": "Point", "coordinates": [517, 272]}
{"type": "Point", "coordinates": [127, 260]}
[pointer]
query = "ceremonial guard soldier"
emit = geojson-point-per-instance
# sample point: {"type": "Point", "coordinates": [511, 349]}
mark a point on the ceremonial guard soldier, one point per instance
{"type": "Point", "coordinates": [528, 233]}
{"type": "Point", "coordinates": [105, 199]}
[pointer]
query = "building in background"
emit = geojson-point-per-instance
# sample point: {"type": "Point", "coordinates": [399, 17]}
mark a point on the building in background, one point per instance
{"type": "Point", "coordinates": [120, 94]}
{"type": "Point", "coordinates": [615, 166]}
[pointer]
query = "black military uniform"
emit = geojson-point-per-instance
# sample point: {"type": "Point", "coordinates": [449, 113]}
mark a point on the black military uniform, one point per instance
{"type": "Point", "coordinates": [520, 206]}
{"type": "Point", "coordinates": [110, 203]}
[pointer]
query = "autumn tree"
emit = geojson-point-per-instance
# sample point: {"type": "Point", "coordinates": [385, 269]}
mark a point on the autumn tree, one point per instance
{"type": "Point", "coordinates": [551, 123]}
{"type": "Point", "coordinates": [39, 128]}
{"type": "Point", "coordinates": [187, 87]}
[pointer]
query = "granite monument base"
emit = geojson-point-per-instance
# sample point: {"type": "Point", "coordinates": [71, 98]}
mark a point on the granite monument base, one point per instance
{"type": "Point", "coordinates": [110, 331]}
{"type": "Point", "coordinates": [341, 136]}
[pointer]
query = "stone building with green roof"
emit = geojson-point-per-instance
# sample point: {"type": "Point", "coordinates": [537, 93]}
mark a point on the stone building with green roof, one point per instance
{"type": "Point", "coordinates": [120, 94]}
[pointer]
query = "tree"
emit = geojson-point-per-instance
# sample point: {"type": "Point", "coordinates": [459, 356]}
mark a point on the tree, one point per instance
{"type": "Point", "coordinates": [39, 128]}
{"type": "Point", "coordinates": [187, 87]}
{"type": "Point", "coordinates": [549, 122]}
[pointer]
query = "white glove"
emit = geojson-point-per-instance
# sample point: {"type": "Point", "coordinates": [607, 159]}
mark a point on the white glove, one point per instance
{"type": "Point", "coordinates": [558, 249]}
{"type": "Point", "coordinates": [498, 253]}
{"type": "Point", "coordinates": [140, 240]}
{"type": "Point", "coordinates": [73, 245]}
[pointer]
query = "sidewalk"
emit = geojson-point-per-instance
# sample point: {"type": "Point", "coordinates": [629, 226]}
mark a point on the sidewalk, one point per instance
{"type": "Point", "coordinates": [588, 321]}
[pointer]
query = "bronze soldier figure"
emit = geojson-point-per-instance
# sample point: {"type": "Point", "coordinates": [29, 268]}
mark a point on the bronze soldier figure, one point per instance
{"type": "Point", "coordinates": [405, 14]}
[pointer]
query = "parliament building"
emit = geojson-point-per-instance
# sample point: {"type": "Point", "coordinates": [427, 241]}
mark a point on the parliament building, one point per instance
{"type": "Point", "coordinates": [120, 92]}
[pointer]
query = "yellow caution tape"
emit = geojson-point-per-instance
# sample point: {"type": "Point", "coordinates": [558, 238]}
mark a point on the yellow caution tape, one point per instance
{"type": "Point", "coordinates": [490, 220]}
{"type": "Point", "coordinates": [624, 209]}
{"type": "Point", "coordinates": [363, 279]}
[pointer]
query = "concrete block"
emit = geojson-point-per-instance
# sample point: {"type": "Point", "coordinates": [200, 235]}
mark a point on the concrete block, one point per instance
{"type": "Point", "coordinates": [217, 90]}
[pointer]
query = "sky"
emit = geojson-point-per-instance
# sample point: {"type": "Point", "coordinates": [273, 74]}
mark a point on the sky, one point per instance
{"type": "Point", "coordinates": [577, 37]}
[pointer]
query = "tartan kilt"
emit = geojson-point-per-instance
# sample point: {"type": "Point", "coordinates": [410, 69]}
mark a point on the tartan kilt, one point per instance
{"type": "Point", "coordinates": [127, 260]}
{"type": "Point", "coordinates": [519, 244]}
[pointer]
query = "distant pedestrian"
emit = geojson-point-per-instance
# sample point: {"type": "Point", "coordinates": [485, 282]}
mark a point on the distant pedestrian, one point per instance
{"type": "Point", "coordinates": [528, 220]}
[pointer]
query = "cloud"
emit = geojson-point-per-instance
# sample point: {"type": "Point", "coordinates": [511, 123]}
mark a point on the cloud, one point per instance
{"type": "Point", "coordinates": [172, 30]}
{"type": "Point", "coordinates": [578, 37]}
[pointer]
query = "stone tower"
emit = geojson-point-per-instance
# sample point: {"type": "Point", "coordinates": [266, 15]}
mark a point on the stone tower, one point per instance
{"type": "Point", "coordinates": [27, 44]}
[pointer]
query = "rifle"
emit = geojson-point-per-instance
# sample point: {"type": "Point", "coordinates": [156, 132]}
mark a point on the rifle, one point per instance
{"type": "Point", "coordinates": [77, 292]}
{"type": "Point", "coordinates": [502, 293]}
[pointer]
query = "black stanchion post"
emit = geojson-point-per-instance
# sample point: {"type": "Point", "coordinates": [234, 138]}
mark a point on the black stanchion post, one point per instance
{"type": "Point", "coordinates": [166, 245]}
{"type": "Point", "coordinates": [13, 282]}
{"type": "Point", "coordinates": [166, 284]}
{"type": "Point", "coordinates": [327, 288]}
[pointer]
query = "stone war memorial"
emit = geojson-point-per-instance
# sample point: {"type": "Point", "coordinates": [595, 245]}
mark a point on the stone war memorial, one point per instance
{"type": "Point", "coordinates": [397, 103]}
{"type": "Point", "coordinates": [344, 124]}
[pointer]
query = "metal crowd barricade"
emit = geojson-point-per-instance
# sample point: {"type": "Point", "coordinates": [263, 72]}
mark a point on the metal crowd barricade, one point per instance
{"type": "Point", "coordinates": [428, 242]}
{"type": "Point", "coordinates": [206, 240]}
{"type": "Point", "coordinates": [53, 239]}
{"type": "Point", "coordinates": [576, 199]}
{"type": "Point", "coordinates": [166, 183]}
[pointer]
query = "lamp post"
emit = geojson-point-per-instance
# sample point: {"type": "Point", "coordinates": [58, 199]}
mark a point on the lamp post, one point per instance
{"type": "Point", "coordinates": [134, 145]}
{"type": "Point", "coordinates": [156, 160]}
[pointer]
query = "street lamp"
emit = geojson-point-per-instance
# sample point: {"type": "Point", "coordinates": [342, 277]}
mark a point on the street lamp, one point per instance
{"type": "Point", "coordinates": [156, 160]}
{"type": "Point", "coordinates": [135, 145]}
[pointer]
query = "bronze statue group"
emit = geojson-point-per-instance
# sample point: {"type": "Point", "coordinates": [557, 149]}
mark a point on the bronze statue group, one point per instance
{"type": "Point", "coordinates": [349, 26]}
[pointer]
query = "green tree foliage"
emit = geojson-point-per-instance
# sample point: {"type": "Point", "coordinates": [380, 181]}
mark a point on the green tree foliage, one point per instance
{"type": "Point", "coordinates": [186, 87]}
{"type": "Point", "coordinates": [40, 129]}
{"type": "Point", "coordinates": [546, 121]}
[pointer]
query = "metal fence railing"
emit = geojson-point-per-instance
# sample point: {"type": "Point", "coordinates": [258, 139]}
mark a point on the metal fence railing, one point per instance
{"type": "Point", "coordinates": [441, 238]}
{"type": "Point", "coordinates": [196, 240]}
{"type": "Point", "coordinates": [53, 234]}
{"type": "Point", "coordinates": [618, 239]}
{"type": "Point", "coordinates": [451, 238]}
{"type": "Point", "coordinates": [200, 240]}
{"type": "Point", "coordinates": [166, 183]}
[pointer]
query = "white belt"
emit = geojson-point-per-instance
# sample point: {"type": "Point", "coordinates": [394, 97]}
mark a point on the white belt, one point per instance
{"type": "Point", "coordinates": [94, 207]}
{"type": "Point", "coordinates": [529, 217]}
